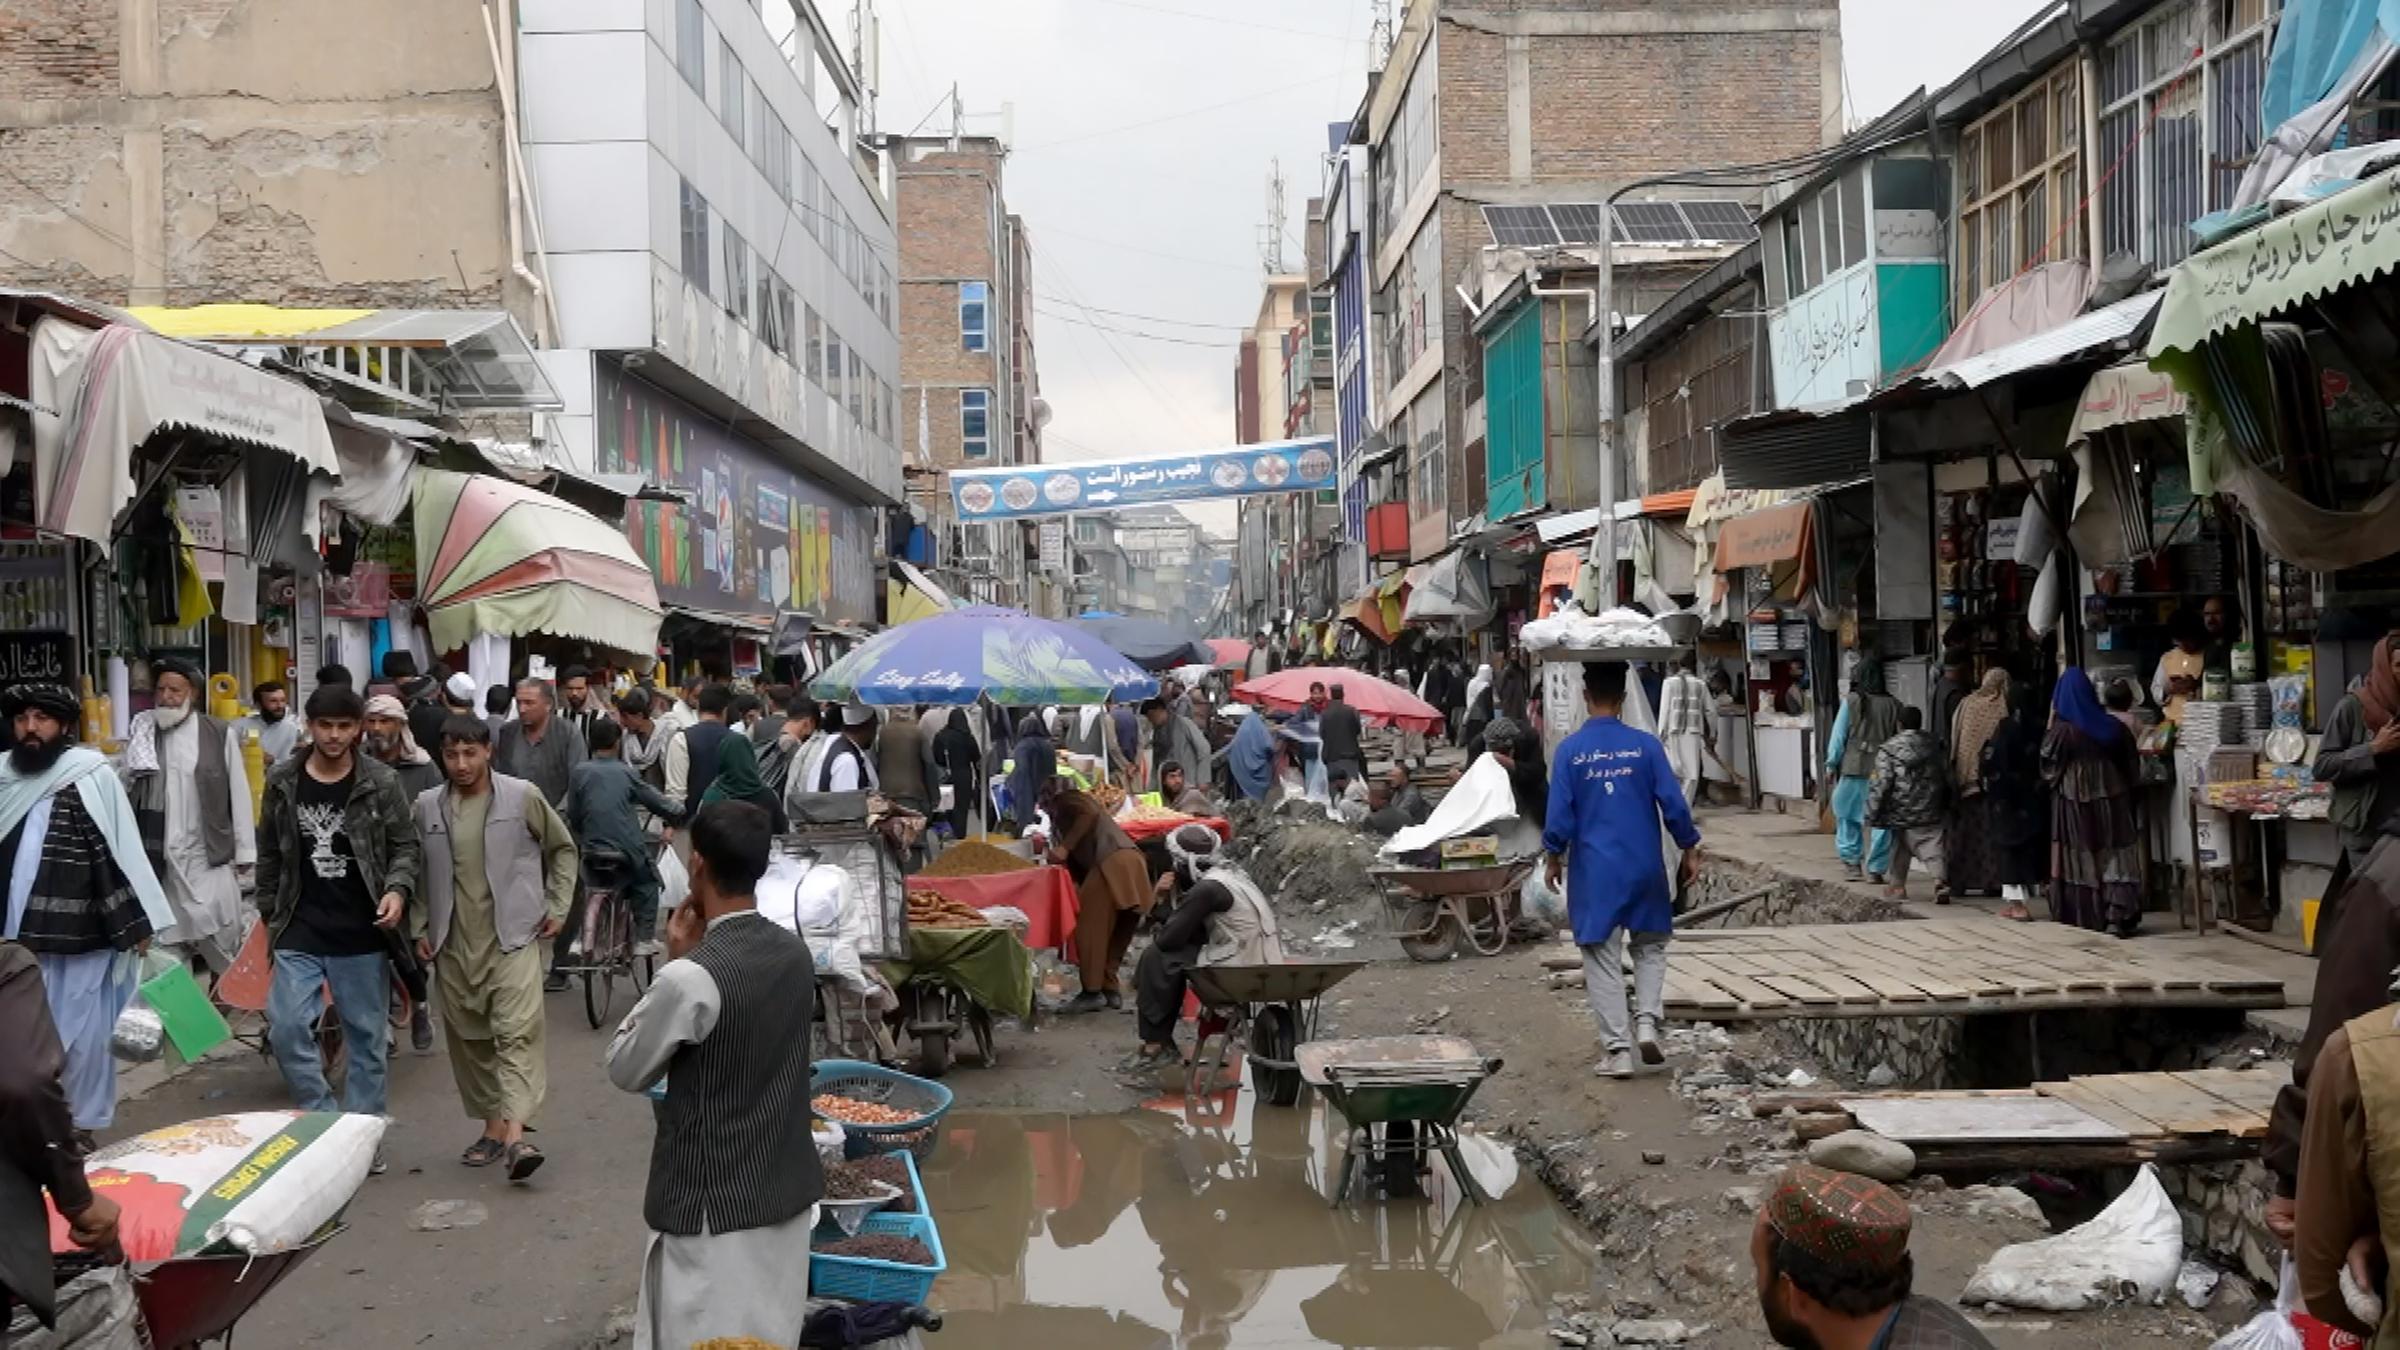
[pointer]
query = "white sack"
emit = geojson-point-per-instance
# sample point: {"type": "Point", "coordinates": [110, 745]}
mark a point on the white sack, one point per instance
{"type": "Point", "coordinates": [2130, 1250]}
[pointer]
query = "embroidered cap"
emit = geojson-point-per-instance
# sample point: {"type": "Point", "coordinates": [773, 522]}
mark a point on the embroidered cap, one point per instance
{"type": "Point", "coordinates": [55, 699]}
{"type": "Point", "coordinates": [1849, 1222]}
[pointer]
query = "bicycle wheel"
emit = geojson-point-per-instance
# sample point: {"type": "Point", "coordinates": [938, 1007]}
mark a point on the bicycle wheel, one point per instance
{"type": "Point", "coordinates": [599, 990]}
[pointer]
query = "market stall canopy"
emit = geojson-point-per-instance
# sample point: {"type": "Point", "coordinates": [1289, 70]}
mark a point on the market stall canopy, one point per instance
{"type": "Point", "coordinates": [961, 656]}
{"type": "Point", "coordinates": [500, 557]}
{"type": "Point", "coordinates": [1153, 644]}
{"type": "Point", "coordinates": [2343, 240]}
{"type": "Point", "coordinates": [911, 595]}
{"type": "Point", "coordinates": [118, 387]}
{"type": "Point", "coordinates": [1456, 586]}
{"type": "Point", "coordinates": [1230, 652]}
{"type": "Point", "coordinates": [1379, 702]}
{"type": "Point", "coordinates": [427, 359]}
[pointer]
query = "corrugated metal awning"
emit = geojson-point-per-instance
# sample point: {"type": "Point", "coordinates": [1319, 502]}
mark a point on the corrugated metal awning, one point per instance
{"type": "Point", "coordinates": [2100, 328]}
{"type": "Point", "coordinates": [1797, 447]}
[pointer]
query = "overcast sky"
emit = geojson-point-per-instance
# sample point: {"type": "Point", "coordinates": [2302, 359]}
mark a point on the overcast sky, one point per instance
{"type": "Point", "coordinates": [1145, 132]}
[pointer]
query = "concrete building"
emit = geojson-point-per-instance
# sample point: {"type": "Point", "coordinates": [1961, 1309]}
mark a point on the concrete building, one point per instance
{"type": "Point", "coordinates": [1501, 102]}
{"type": "Point", "coordinates": [969, 391]}
{"type": "Point", "coordinates": [685, 215]}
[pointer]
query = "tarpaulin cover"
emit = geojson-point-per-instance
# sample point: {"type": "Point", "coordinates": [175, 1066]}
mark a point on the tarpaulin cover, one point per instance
{"type": "Point", "coordinates": [958, 657]}
{"type": "Point", "coordinates": [1561, 567]}
{"type": "Point", "coordinates": [494, 556]}
{"type": "Point", "coordinates": [1046, 896]}
{"type": "Point", "coordinates": [2315, 44]}
{"type": "Point", "coordinates": [1152, 643]}
{"type": "Point", "coordinates": [990, 964]}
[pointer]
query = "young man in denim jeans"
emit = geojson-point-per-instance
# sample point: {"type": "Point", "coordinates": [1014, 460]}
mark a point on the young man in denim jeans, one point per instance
{"type": "Point", "coordinates": [338, 866]}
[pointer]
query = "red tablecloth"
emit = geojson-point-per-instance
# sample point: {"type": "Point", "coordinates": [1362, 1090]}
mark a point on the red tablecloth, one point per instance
{"type": "Point", "coordinates": [1139, 830]}
{"type": "Point", "coordinates": [1046, 894]}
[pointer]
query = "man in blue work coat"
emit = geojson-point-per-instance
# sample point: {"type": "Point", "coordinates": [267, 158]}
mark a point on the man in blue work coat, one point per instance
{"type": "Point", "coordinates": [1610, 786]}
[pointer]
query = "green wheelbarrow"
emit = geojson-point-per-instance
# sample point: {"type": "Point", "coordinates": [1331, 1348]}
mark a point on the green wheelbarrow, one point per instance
{"type": "Point", "coordinates": [1401, 1097]}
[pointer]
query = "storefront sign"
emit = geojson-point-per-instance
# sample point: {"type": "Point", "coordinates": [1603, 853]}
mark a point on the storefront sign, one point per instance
{"type": "Point", "coordinates": [757, 536]}
{"type": "Point", "coordinates": [1304, 465]}
{"type": "Point", "coordinates": [1763, 537]}
{"type": "Point", "coordinates": [2335, 243]}
{"type": "Point", "coordinates": [36, 658]}
{"type": "Point", "coordinates": [2000, 539]}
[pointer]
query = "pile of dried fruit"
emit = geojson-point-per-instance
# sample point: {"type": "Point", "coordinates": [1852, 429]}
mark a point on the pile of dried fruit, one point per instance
{"type": "Point", "coordinates": [1145, 811]}
{"type": "Point", "coordinates": [974, 858]}
{"type": "Point", "coordinates": [877, 1247]}
{"type": "Point", "coordinates": [862, 1172]}
{"type": "Point", "coordinates": [852, 1111]}
{"type": "Point", "coordinates": [1110, 796]}
{"type": "Point", "coordinates": [932, 909]}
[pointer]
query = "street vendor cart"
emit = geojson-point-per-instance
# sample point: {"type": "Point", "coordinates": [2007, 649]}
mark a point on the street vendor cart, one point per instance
{"type": "Point", "coordinates": [1270, 1010]}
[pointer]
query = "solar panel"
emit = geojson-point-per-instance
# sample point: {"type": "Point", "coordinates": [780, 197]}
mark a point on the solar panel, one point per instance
{"type": "Point", "coordinates": [1724, 221]}
{"type": "Point", "coordinates": [1578, 222]}
{"type": "Point", "coordinates": [1651, 223]}
{"type": "Point", "coordinates": [1520, 226]}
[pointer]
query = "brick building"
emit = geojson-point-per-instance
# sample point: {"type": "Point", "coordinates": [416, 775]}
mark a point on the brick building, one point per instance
{"type": "Point", "coordinates": [969, 393]}
{"type": "Point", "coordinates": [1262, 407]}
{"type": "Point", "coordinates": [1497, 102]}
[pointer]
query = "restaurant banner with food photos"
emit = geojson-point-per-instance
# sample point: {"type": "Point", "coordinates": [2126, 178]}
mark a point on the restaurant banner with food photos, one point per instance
{"type": "Point", "coordinates": [1304, 465]}
{"type": "Point", "coordinates": [756, 535]}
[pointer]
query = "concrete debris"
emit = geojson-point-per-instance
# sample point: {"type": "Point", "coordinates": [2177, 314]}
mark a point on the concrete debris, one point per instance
{"type": "Point", "coordinates": [1654, 1157]}
{"type": "Point", "coordinates": [1989, 1202]}
{"type": "Point", "coordinates": [1799, 1078]}
{"type": "Point", "coordinates": [1866, 1153]}
{"type": "Point", "coordinates": [1651, 1331]}
{"type": "Point", "coordinates": [1744, 1199]}
{"type": "Point", "coordinates": [1882, 1076]}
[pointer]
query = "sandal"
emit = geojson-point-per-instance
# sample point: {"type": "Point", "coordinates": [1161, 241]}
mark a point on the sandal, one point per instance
{"type": "Point", "coordinates": [2016, 914]}
{"type": "Point", "coordinates": [483, 1152]}
{"type": "Point", "coordinates": [523, 1160]}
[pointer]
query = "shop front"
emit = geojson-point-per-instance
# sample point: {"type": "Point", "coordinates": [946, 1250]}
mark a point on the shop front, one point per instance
{"type": "Point", "coordinates": [751, 537]}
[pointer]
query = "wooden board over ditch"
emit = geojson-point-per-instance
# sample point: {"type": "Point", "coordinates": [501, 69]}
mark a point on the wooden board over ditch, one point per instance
{"type": "Point", "coordinates": [1968, 965]}
{"type": "Point", "coordinates": [2094, 1120]}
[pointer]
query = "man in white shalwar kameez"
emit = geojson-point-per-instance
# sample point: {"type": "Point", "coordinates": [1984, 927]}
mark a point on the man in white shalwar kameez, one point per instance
{"type": "Point", "coordinates": [734, 1177]}
{"type": "Point", "coordinates": [187, 765]}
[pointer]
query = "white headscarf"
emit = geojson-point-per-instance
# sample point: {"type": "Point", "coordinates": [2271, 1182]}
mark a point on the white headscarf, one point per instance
{"type": "Point", "coordinates": [1481, 682]}
{"type": "Point", "coordinates": [384, 705]}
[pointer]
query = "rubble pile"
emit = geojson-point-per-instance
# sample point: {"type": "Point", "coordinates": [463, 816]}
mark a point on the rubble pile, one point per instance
{"type": "Point", "coordinates": [1306, 863]}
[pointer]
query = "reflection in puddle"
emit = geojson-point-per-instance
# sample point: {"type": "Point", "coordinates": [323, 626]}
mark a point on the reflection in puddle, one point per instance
{"type": "Point", "coordinates": [1207, 1227]}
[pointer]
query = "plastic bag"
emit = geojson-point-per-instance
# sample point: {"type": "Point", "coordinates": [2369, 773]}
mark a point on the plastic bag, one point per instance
{"type": "Point", "coordinates": [1489, 1161]}
{"type": "Point", "coordinates": [673, 882]}
{"type": "Point", "coordinates": [1540, 900]}
{"type": "Point", "coordinates": [2272, 1329]}
{"type": "Point", "coordinates": [2130, 1250]}
{"type": "Point", "coordinates": [140, 1035]}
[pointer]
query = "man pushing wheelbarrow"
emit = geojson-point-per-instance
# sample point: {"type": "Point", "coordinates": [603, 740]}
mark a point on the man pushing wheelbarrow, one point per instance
{"type": "Point", "coordinates": [1222, 918]}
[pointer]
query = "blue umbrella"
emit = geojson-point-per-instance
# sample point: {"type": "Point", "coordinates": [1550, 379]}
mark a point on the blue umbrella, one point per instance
{"type": "Point", "coordinates": [960, 656]}
{"type": "Point", "coordinates": [1153, 645]}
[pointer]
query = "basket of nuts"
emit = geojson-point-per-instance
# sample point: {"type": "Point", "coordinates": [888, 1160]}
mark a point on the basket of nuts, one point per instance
{"type": "Point", "coordinates": [880, 1110]}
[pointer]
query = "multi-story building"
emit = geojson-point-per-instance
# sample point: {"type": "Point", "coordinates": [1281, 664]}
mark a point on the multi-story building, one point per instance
{"type": "Point", "coordinates": [970, 396]}
{"type": "Point", "coordinates": [681, 210]}
{"type": "Point", "coordinates": [1339, 274]}
{"type": "Point", "coordinates": [1262, 411]}
{"type": "Point", "coordinates": [1498, 102]}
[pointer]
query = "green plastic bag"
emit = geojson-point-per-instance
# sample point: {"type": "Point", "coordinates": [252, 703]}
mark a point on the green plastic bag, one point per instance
{"type": "Point", "coordinates": [193, 1023]}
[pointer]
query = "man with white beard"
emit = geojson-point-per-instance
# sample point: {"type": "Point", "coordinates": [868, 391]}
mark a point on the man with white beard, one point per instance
{"type": "Point", "coordinates": [189, 787]}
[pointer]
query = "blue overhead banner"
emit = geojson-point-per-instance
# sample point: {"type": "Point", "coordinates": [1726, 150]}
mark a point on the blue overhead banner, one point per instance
{"type": "Point", "coordinates": [1304, 465]}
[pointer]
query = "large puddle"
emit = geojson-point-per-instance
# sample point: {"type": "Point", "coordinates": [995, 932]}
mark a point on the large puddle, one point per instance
{"type": "Point", "coordinates": [1206, 1226]}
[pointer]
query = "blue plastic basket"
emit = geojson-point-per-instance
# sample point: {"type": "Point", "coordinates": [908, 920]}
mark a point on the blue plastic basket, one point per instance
{"type": "Point", "coordinates": [863, 1281]}
{"type": "Point", "coordinates": [916, 1194]}
{"type": "Point", "coordinates": [925, 1100]}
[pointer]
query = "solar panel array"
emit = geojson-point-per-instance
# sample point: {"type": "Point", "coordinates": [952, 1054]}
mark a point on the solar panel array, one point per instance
{"type": "Point", "coordinates": [1654, 223]}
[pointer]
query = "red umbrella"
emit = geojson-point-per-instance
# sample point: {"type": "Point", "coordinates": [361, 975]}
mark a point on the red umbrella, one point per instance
{"type": "Point", "coordinates": [1230, 652]}
{"type": "Point", "coordinates": [1379, 702]}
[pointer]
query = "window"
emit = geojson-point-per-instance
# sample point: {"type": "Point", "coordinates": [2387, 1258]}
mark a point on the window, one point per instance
{"type": "Point", "coordinates": [694, 215]}
{"type": "Point", "coordinates": [2179, 117]}
{"type": "Point", "coordinates": [737, 277]}
{"type": "Point", "coordinates": [975, 423]}
{"type": "Point", "coordinates": [691, 46]}
{"type": "Point", "coordinates": [875, 405]}
{"type": "Point", "coordinates": [891, 411]}
{"type": "Point", "coordinates": [2020, 182]}
{"type": "Point", "coordinates": [730, 109]}
{"type": "Point", "coordinates": [810, 218]}
{"type": "Point", "coordinates": [786, 304]}
{"type": "Point", "coordinates": [815, 346]}
{"type": "Point", "coordinates": [833, 364]}
{"type": "Point", "coordinates": [883, 294]}
{"type": "Point", "coordinates": [770, 146]}
{"type": "Point", "coordinates": [974, 319]}
{"type": "Point", "coordinates": [772, 327]}
{"type": "Point", "coordinates": [858, 388]}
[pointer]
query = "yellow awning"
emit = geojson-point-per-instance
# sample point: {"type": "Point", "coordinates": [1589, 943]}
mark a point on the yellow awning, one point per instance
{"type": "Point", "coordinates": [231, 323]}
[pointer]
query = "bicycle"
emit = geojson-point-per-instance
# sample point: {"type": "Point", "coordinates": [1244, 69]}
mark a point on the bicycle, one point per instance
{"type": "Point", "coordinates": [604, 938]}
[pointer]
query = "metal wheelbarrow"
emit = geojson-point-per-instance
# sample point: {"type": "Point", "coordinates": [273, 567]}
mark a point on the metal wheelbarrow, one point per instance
{"type": "Point", "coordinates": [1433, 908]}
{"type": "Point", "coordinates": [1268, 1009]}
{"type": "Point", "coordinates": [192, 1300]}
{"type": "Point", "coordinates": [1401, 1097]}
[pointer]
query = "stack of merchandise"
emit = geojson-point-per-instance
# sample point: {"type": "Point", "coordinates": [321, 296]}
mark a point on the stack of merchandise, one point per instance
{"type": "Point", "coordinates": [2206, 728]}
{"type": "Point", "coordinates": [2257, 702]}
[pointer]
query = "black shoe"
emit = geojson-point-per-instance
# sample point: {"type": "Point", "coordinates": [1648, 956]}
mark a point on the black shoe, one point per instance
{"type": "Point", "coordinates": [1084, 1003]}
{"type": "Point", "coordinates": [1116, 1001]}
{"type": "Point", "coordinates": [556, 984]}
{"type": "Point", "coordinates": [420, 1028]}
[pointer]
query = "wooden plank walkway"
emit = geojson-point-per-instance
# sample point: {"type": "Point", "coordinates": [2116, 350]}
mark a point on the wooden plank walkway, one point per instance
{"type": "Point", "coordinates": [1971, 964]}
{"type": "Point", "coordinates": [2096, 1119]}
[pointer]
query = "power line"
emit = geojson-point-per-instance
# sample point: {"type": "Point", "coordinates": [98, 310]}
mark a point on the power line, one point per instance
{"type": "Point", "coordinates": [1180, 341]}
{"type": "Point", "coordinates": [1074, 293]}
{"type": "Point", "coordinates": [1227, 21]}
{"type": "Point", "coordinates": [1248, 269]}
{"type": "Point", "coordinates": [1146, 318]}
{"type": "Point", "coordinates": [1187, 113]}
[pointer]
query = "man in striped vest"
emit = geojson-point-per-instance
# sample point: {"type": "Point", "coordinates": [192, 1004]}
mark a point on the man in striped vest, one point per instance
{"type": "Point", "coordinates": [734, 1177]}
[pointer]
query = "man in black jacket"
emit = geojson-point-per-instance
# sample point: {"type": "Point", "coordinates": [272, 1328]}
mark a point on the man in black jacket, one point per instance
{"type": "Point", "coordinates": [1339, 727]}
{"type": "Point", "coordinates": [38, 1150]}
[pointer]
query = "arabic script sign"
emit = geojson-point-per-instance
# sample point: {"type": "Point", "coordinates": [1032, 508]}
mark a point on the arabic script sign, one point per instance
{"type": "Point", "coordinates": [2339, 241]}
{"type": "Point", "coordinates": [1304, 465]}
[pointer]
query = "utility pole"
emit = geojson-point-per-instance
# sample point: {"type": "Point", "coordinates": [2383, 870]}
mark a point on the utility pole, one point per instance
{"type": "Point", "coordinates": [958, 119]}
{"type": "Point", "coordinates": [1270, 235]}
{"type": "Point", "coordinates": [866, 61]}
{"type": "Point", "coordinates": [1379, 36]}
